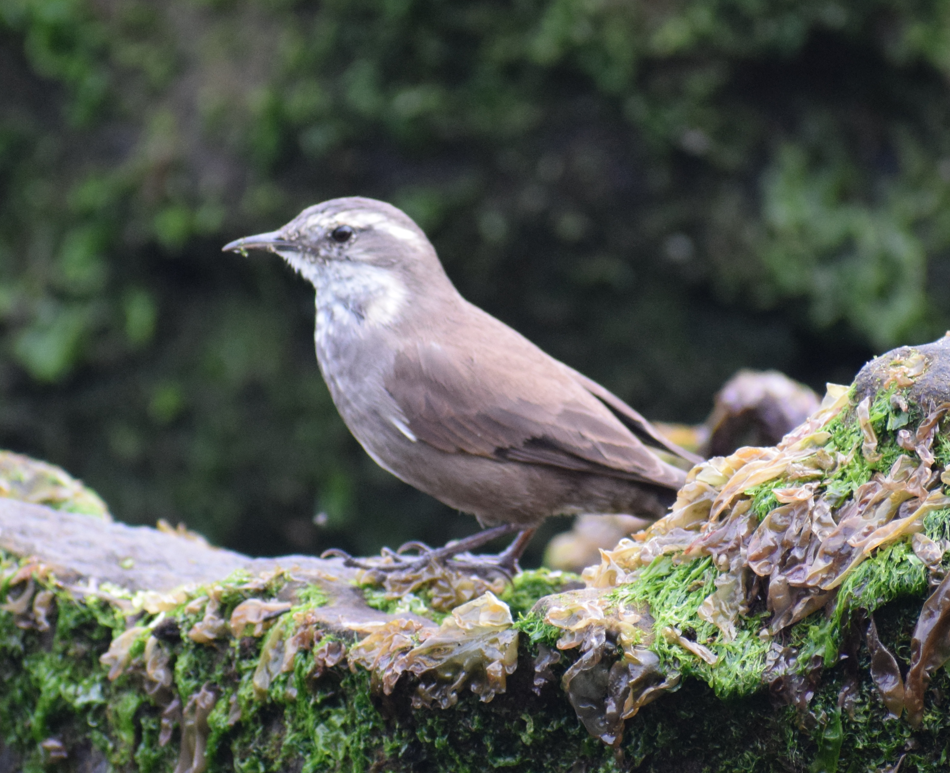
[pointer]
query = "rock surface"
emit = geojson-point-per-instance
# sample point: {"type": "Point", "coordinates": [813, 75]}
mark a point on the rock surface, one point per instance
{"type": "Point", "coordinates": [789, 613]}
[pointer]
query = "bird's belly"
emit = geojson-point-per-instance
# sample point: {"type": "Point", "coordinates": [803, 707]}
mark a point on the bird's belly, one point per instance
{"type": "Point", "coordinates": [503, 491]}
{"type": "Point", "coordinates": [490, 490]}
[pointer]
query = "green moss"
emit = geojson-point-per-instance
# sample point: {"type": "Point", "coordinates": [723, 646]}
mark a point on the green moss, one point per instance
{"type": "Point", "coordinates": [847, 439]}
{"type": "Point", "coordinates": [378, 598]}
{"type": "Point", "coordinates": [507, 734]}
{"type": "Point", "coordinates": [673, 592]}
{"type": "Point", "coordinates": [18, 690]}
{"type": "Point", "coordinates": [527, 587]}
{"type": "Point", "coordinates": [937, 525]}
{"type": "Point", "coordinates": [122, 717]}
{"type": "Point", "coordinates": [763, 497]}
{"type": "Point", "coordinates": [941, 448]}
{"type": "Point", "coordinates": [339, 722]}
{"type": "Point", "coordinates": [520, 594]}
{"type": "Point", "coordinates": [197, 665]}
{"type": "Point", "coordinates": [311, 596]}
{"type": "Point", "coordinates": [29, 480]}
{"type": "Point", "coordinates": [149, 756]}
{"type": "Point", "coordinates": [53, 680]}
{"type": "Point", "coordinates": [537, 631]}
{"type": "Point", "coordinates": [673, 589]}
{"type": "Point", "coordinates": [347, 732]}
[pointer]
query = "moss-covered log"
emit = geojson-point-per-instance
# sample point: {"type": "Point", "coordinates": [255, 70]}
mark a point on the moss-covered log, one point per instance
{"type": "Point", "coordinates": [789, 614]}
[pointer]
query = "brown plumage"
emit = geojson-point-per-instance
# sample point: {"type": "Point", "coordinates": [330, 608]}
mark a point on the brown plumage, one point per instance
{"type": "Point", "coordinates": [451, 400]}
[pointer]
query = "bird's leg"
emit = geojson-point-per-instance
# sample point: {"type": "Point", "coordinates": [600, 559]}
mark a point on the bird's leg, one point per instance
{"type": "Point", "coordinates": [508, 558]}
{"type": "Point", "coordinates": [464, 545]}
{"type": "Point", "coordinates": [506, 561]}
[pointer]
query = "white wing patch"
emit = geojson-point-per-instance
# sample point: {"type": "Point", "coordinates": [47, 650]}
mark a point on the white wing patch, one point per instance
{"type": "Point", "coordinates": [403, 428]}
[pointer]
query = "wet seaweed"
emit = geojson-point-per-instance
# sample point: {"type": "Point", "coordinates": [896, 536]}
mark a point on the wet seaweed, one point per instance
{"type": "Point", "coordinates": [769, 555]}
{"type": "Point", "coordinates": [477, 646]}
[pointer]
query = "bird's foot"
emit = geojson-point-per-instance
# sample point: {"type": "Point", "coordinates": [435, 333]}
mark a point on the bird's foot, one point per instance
{"type": "Point", "coordinates": [416, 557]}
{"type": "Point", "coordinates": [442, 578]}
{"type": "Point", "coordinates": [450, 575]}
{"type": "Point", "coordinates": [456, 555]}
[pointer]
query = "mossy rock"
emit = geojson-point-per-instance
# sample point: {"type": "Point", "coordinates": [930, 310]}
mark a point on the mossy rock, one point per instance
{"type": "Point", "coordinates": [698, 646]}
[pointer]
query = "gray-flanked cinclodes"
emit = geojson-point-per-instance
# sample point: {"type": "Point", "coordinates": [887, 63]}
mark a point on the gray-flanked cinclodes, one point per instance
{"type": "Point", "coordinates": [451, 400]}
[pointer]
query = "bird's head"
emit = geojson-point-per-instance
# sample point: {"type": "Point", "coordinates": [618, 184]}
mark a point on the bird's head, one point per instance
{"type": "Point", "coordinates": [354, 230]}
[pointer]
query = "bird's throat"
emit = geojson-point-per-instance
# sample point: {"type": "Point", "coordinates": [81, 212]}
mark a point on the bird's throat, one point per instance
{"type": "Point", "coordinates": [351, 293]}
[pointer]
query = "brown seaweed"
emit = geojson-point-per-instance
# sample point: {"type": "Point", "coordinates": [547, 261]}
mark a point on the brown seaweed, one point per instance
{"type": "Point", "coordinates": [155, 602]}
{"type": "Point", "coordinates": [271, 660]}
{"type": "Point", "coordinates": [329, 654]}
{"type": "Point", "coordinates": [159, 674]}
{"type": "Point", "coordinates": [605, 694]}
{"type": "Point", "coordinates": [673, 533]}
{"type": "Point", "coordinates": [885, 673]}
{"type": "Point", "coordinates": [212, 626]}
{"type": "Point", "coordinates": [904, 372]}
{"type": "Point", "coordinates": [21, 603]}
{"type": "Point", "coordinates": [446, 586]}
{"type": "Point", "coordinates": [234, 710]}
{"type": "Point", "coordinates": [923, 438]}
{"type": "Point", "coordinates": [54, 750]}
{"type": "Point", "coordinates": [32, 608]}
{"type": "Point", "coordinates": [544, 664]}
{"type": "Point", "coordinates": [795, 558]}
{"type": "Point", "coordinates": [586, 683]}
{"type": "Point", "coordinates": [722, 607]}
{"type": "Point", "coordinates": [378, 651]}
{"type": "Point", "coordinates": [475, 646]}
{"type": "Point", "coordinates": [256, 614]}
{"type": "Point", "coordinates": [604, 691]}
{"type": "Point", "coordinates": [194, 731]}
{"type": "Point", "coordinates": [30, 480]}
{"type": "Point", "coordinates": [43, 606]}
{"type": "Point", "coordinates": [928, 551]}
{"type": "Point", "coordinates": [171, 716]}
{"type": "Point", "coordinates": [863, 414]}
{"type": "Point", "coordinates": [119, 655]}
{"type": "Point", "coordinates": [673, 636]}
{"type": "Point", "coordinates": [788, 682]}
{"type": "Point", "coordinates": [929, 649]}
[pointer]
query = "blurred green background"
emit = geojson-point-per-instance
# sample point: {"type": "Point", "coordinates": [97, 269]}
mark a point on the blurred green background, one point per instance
{"type": "Point", "coordinates": [656, 193]}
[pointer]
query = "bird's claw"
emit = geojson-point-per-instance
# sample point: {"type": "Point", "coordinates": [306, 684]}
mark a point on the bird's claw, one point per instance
{"type": "Point", "coordinates": [356, 563]}
{"type": "Point", "coordinates": [335, 553]}
{"type": "Point", "coordinates": [419, 547]}
{"type": "Point", "coordinates": [391, 561]}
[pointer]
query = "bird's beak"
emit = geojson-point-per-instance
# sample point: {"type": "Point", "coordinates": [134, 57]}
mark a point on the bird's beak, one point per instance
{"type": "Point", "coordinates": [271, 242]}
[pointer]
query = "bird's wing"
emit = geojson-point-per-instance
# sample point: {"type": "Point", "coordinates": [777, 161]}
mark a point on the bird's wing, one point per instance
{"type": "Point", "coordinates": [633, 421]}
{"type": "Point", "coordinates": [523, 406]}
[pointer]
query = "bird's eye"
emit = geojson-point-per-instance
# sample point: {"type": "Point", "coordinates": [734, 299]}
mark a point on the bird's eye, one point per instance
{"type": "Point", "coordinates": [341, 234]}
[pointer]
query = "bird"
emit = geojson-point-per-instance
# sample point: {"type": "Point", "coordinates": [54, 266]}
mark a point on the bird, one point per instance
{"type": "Point", "coordinates": [453, 401]}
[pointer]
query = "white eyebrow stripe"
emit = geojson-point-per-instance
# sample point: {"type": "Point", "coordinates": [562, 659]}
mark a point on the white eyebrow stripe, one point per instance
{"type": "Point", "coordinates": [397, 231]}
{"type": "Point", "coordinates": [319, 220]}
{"type": "Point", "coordinates": [363, 219]}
